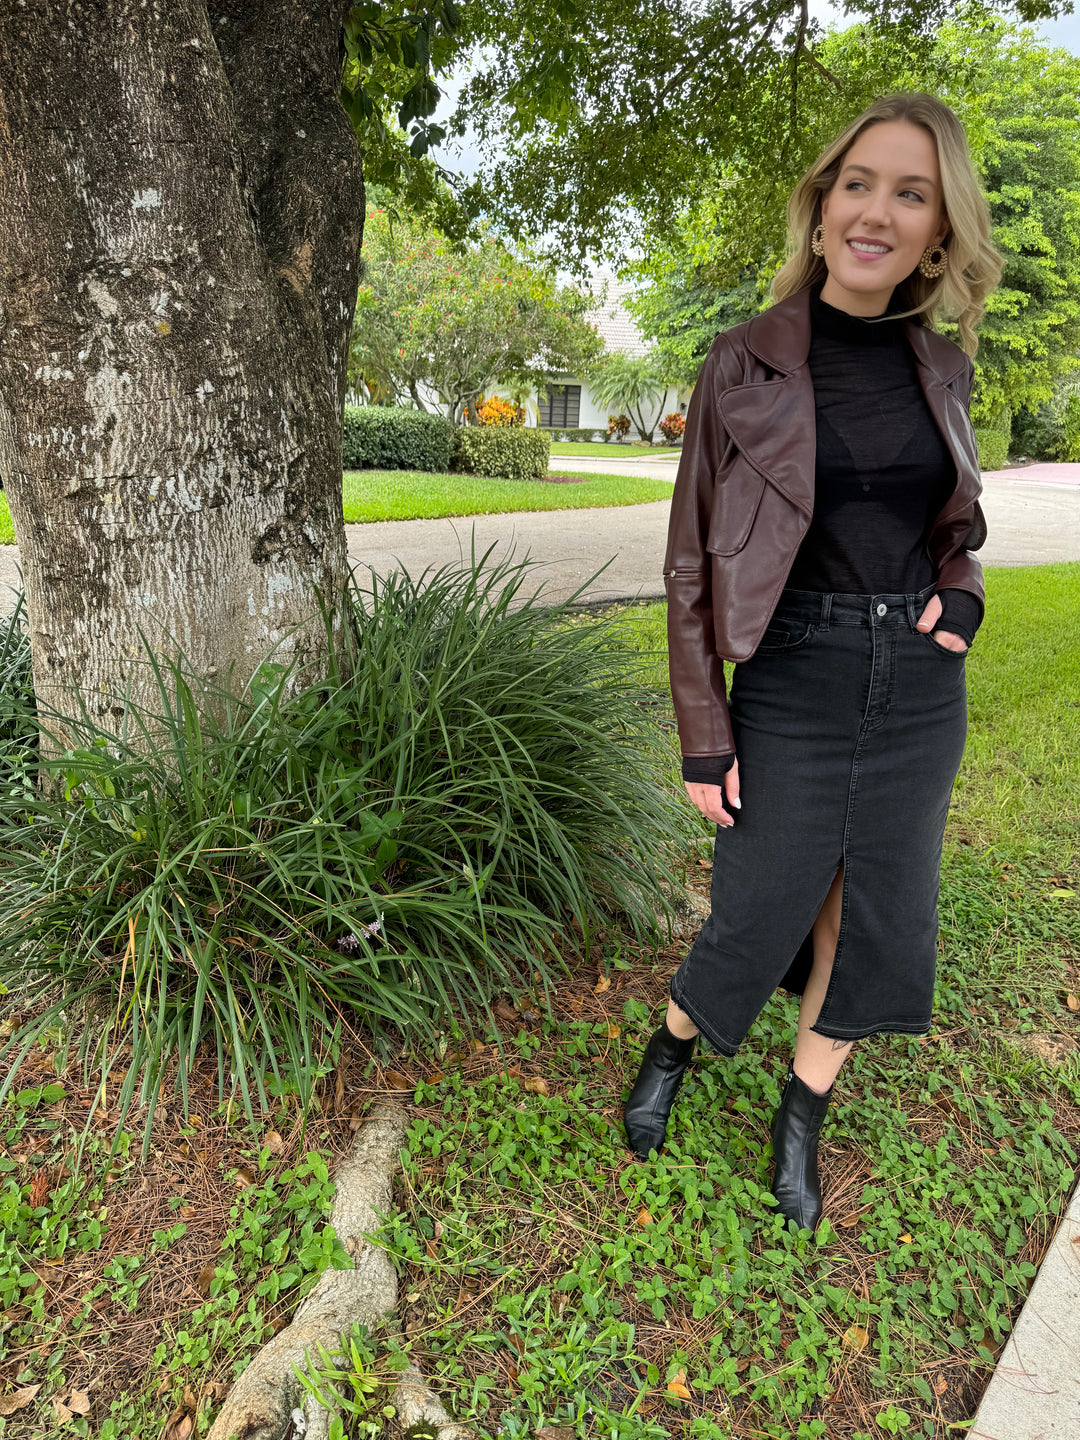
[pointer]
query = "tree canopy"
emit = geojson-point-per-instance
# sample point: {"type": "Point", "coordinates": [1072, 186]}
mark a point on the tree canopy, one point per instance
{"type": "Point", "coordinates": [607, 115]}
{"type": "Point", "coordinates": [459, 320]}
{"type": "Point", "coordinates": [1020, 104]}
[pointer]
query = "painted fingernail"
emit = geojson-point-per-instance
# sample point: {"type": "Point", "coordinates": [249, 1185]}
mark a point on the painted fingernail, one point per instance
{"type": "Point", "coordinates": [736, 803]}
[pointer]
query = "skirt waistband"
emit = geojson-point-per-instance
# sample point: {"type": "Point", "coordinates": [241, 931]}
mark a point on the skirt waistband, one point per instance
{"type": "Point", "coordinates": [824, 608]}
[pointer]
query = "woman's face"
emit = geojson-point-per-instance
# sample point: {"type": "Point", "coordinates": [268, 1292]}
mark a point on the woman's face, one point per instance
{"type": "Point", "coordinates": [883, 211]}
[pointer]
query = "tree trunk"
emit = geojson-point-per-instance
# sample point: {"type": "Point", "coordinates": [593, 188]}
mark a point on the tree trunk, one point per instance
{"type": "Point", "coordinates": [182, 205]}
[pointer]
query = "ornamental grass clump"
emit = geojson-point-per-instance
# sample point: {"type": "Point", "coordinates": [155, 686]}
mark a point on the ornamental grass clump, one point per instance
{"type": "Point", "coordinates": [242, 878]}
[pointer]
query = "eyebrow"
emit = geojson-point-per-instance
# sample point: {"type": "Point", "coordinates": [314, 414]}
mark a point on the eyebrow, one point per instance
{"type": "Point", "coordinates": [904, 179]}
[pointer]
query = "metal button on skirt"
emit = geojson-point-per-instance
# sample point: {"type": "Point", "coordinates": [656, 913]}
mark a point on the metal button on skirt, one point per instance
{"type": "Point", "coordinates": [849, 729]}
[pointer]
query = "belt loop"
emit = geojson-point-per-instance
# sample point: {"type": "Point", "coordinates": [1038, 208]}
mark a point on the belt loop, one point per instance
{"type": "Point", "coordinates": [826, 610]}
{"type": "Point", "coordinates": [912, 603]}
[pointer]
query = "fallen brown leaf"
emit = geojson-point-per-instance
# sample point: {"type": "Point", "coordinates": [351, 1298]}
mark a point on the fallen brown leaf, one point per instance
{"type": "Point", "coordinates": [573, 1002]}
{"type": "Point", "coordinates": [856, 1338]}
{"type": "Point", "coordinates": [79, 1402]}
{"type": "Point", "coordinates": [536, 1085]}
{"type": "Point", "coordinates": [678, 1387]}
{"type": "Point", "coordinates": [1073, 1002]}
{"type": "Point", "coordinates": [206, 1278]}
{"type": "Point", "coordinates": [435, 1077]}
{"type": "Point", "coordinates": [939, 1385]}
{"type": "Point", "coordinates": [517, 1342]}
{"type": "Point", "coordinates": [397, 1081]}
{"type": "Point", "coordinates": [18, 1399]}
{"type": "Point", "coordinates": [614, 1031]}
{"type": "Point", "coordinates": [273, 1142]}
{"type": "Point", "coordinates": [555, 1432]}
{"type": "Point", "coordinates": [604, 983]}
{"type": "Point", "coordinates": [505, 1011]}
{"type": "Point", "coordinates": [905, 1239]}
{"type": "Point", "coordinates": [643, 1217]}
{"type": "Point", "coordinates": [39, 1188]}
{"type": "Point", "coordinates": [178, 1426]}
{"type": "Point", "coordinates": [243, 1178]}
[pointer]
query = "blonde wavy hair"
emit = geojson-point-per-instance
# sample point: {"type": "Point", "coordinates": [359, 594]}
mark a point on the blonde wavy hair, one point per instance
{"type": "Point", "coordinates": [974, 267]}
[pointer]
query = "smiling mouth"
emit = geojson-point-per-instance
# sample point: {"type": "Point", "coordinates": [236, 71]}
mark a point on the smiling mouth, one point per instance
{"type": "Point", "coordinates": [867, 247]}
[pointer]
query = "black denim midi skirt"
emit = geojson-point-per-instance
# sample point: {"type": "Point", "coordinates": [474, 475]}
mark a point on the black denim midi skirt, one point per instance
{"type": "Point", "coordinates": [849, 729]}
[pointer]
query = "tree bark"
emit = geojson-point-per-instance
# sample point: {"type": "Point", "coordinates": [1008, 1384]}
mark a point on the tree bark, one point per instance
{"type": "Point", "coordinates": [182, 204]}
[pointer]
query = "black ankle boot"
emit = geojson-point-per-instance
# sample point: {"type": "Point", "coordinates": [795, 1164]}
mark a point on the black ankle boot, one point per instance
{"type": "Point", "coordinates": [649, 1102]}
{"type": "Point", "coordinates": [795, 1183]}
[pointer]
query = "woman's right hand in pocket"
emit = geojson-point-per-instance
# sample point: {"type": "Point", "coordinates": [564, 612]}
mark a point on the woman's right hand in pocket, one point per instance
{"type": "Point", "coordinates": [711, 799]}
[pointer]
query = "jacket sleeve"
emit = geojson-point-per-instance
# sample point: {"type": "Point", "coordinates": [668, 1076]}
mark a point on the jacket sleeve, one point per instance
{"type": "Point", "coordinates": [697, 672]}
{"type": "Point", "coordinates": [964, 571]}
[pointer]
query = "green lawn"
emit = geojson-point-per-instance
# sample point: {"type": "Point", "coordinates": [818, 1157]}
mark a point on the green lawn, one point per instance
{"type": "Point", "coordinates": [415, 495]}
{"type": "Point", "coordinates": [608, 450]}
{"type": "Point", "coordinates": [412, 495]}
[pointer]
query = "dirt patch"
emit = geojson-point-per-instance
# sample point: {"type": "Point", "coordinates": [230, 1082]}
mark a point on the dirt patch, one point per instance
{"type": "Point", "coordinates": [552, 479]}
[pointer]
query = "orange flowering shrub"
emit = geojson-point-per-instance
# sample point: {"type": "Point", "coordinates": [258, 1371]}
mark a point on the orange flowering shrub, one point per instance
{"type": "Point", "coordinates": [672, 427]}
{"type": "Point", "coordinates": [497, 411]}
{"type": "Point", "coordinates": [618, 425]}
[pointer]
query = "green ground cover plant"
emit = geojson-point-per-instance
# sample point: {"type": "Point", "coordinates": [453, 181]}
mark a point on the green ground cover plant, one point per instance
{"type": "Point", "coordinates": [550, 1281]}
{"type": "Point", "coordinates": [245, 874]}
{"type": "Point", "coordinates": [136, 1290]}
{"type": "Point", "coordinates": [408, 495]}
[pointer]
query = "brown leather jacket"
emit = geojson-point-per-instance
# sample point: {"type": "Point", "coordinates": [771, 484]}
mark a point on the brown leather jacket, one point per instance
{"type": "Point", "coordinates": [744, 497]}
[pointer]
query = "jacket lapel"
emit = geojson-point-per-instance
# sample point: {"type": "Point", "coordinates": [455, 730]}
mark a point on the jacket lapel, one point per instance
{"type": "Point", "coordinates": [935, 368]}
{"type": "Point", "coordinates": [772, 421]}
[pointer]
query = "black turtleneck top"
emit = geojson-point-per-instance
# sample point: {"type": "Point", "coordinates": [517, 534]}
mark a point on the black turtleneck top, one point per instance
{"type": "Point", "coordinates": [883, 474]}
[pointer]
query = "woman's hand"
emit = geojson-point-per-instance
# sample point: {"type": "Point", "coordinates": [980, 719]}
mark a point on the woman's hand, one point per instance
{"type": "Point", "coordinates": [929, 618]}
{"type": "Point", "coordinates": [709, 799]}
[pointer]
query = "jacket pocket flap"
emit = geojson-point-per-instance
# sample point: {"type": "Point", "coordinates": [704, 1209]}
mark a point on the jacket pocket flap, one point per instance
{"type": "Point", "coordinates": [736, 497]}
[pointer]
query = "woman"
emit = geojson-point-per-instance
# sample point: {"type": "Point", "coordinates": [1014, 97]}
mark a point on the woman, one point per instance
{"type": "Point", "coordinates": [821, 529]}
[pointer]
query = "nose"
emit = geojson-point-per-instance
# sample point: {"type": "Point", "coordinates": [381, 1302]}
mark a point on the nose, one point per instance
{"type": "Point", "coordinates": [875, 210]}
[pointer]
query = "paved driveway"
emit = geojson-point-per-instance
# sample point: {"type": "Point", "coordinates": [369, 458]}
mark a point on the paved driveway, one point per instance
{"type": "Point", "coordinates": [1032, 520]}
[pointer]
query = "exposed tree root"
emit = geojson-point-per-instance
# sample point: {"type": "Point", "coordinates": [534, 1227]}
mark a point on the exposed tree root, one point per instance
{"type": "Point", "coordinates": [261, 1403]}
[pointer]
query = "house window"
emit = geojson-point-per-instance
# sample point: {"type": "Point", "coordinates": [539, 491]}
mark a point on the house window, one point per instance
{"type": "Point", "coordinates": [560, 409]}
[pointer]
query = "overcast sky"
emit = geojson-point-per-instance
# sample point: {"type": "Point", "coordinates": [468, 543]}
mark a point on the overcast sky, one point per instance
{"type": "Point", "coordinates": [463, 157]}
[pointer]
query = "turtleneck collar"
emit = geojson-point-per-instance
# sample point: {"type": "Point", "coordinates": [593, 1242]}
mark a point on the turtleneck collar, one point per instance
{"type": "Point", "coordinates": [827, 320]}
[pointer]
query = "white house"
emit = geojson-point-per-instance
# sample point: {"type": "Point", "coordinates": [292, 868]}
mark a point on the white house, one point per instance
{"type": "Point", "coordinates": [568, 403]}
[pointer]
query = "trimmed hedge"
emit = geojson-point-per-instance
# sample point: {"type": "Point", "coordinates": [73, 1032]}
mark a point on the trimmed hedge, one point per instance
{"type": "Point", "coordinates": [383, 437]}
{"type": "Point", "coordinates": [507, 452]}
{"type": "Point", "coordinates": [557, 434]}
{"type": "Point", "coordinates": [993, 448]}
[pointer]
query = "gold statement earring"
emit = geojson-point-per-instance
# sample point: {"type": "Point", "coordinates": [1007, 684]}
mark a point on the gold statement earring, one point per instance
{"type": "Point", "coordinates": [817, 241]}
{"type": "Point", "coordinates": [933, 264]}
